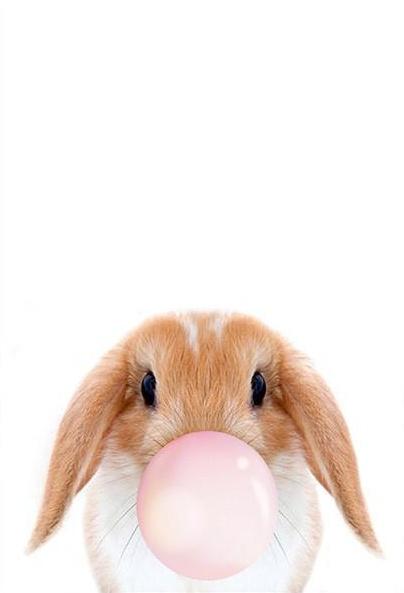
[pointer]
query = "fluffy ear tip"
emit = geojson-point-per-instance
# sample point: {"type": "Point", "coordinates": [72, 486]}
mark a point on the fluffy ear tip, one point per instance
{"type": "Point", "coordinates": [372, 544]}
{"type": "Point", "coordinates": [376, 549]}
{"type": "Point", "coordinates": [36, 540]}
{"type": "Point", "coordinates": [32, 545]}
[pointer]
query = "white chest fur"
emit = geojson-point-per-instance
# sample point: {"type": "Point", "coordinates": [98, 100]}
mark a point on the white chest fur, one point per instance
{"type": "Point", "coordinates": [122, 563]}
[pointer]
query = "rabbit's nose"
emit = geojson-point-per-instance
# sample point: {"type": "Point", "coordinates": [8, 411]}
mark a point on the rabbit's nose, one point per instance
{"type": "Point", "coordinates": [207, 505]}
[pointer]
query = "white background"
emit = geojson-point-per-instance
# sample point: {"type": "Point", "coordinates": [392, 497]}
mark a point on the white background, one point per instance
{"type": "Point", "coordinates": [234, 155]}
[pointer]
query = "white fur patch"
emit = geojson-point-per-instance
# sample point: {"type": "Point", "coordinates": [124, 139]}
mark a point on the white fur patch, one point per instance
{"type": "Point", "coordinates": [133, 568]}
{"type": "Point", "coordinates": [218, 322]}
{"type": "Point", "coordinates": [191, 329]}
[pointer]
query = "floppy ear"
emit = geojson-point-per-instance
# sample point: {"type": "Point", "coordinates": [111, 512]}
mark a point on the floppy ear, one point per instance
{"type": "Point", "coordinates": [78, 446]}
{"type": "Point", "coordinates": [329, 451]}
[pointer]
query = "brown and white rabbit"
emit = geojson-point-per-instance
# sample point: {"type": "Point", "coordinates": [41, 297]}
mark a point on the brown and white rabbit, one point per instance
{"type": "Point", "coordinates": [202, 365]}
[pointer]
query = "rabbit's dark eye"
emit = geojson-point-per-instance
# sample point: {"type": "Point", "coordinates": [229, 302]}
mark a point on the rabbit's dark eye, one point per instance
{"type": "Point", "coordinates": [149, 389]}
{"type": "Point", "coordinates": [258, 388]}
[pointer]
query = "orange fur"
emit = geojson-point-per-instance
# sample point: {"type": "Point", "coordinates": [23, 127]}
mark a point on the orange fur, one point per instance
{"type": "Point", "coordinates": [309, 402]}
{"type": "Point", "coordinates": [79, 440]}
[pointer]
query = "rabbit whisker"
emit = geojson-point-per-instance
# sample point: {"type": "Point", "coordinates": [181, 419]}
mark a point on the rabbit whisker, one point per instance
{"type": "Point", "coordinates": [294, 527]}
{"type": "Point", "coordinates": [132, 506]}
{"type": "Point", "coordinates": [127, 544]}
{"type": "Point", "coordinates": [281, 547]}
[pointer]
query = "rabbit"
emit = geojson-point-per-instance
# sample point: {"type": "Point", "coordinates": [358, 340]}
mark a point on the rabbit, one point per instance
{"type": "Point", "coordinates": [186, 372]}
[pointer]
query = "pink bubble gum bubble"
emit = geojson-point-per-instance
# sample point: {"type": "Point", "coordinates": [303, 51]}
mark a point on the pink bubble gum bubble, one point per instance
{"type": "Point", "coordinates": [207, 505]}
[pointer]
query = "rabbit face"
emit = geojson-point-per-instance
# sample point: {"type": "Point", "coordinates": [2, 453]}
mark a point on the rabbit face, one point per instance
{"type": "Point", "coordinates": [201, 374]}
